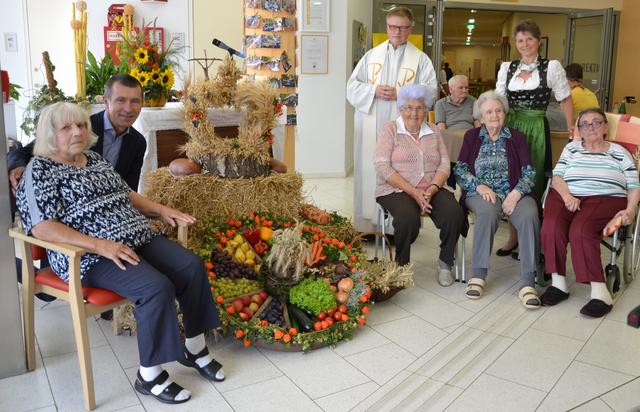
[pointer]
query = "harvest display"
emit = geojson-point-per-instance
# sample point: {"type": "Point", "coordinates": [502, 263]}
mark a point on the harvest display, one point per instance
{"type": "Point", "coordinates": [286, 284]}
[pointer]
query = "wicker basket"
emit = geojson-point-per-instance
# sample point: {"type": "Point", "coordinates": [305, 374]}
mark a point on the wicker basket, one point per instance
{"type": "Point", "coordinates": [378, 295]}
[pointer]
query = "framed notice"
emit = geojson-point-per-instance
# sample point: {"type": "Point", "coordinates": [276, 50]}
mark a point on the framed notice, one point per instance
{"type": "Point", "coordinates": [315, 15]}
{"type": "Point", "coordinates": [314, 54]}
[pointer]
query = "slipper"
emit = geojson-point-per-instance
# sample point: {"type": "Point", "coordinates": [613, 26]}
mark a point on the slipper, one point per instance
{"type": "Point", "coordinates": [596, 308]}
{"type": "Point", "coordinates": [553, 296]}
{"type": "Point", "coordinates": [506, 252]}
{"type": "Point", "coordinates": [208, 371]}
{"type": "Point", "coordinates": [168, 395]}
{"type": "Point", "coordinates": [475, 288]}
{"type": "Point", "coordinates": [529, 297]}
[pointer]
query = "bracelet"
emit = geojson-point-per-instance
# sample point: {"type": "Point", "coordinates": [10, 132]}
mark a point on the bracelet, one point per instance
{"type": "Point", "coordinates": [433, 184]}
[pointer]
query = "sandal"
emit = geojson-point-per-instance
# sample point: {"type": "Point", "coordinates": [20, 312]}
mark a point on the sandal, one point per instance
{"type": "Point", "coordinates": [208, 371]}
{"type": "Point", "coordinates": [596, 308]}
{"type": "Point", "coordinates": [168, 395]}
{"type": "Point", "coordinates": [529, 297]}
{"type": "Point", "coordinates": [475, 288]}
{"type": "Point", "coordinates": [506, 252]}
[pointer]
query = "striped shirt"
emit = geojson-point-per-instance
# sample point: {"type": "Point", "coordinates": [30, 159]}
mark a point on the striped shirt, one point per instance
{"type": "Point", "coordinates": [610, 173]}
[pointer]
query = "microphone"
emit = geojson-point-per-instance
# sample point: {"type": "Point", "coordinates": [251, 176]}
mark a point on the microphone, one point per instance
{"type": "Point", "coordinates": [223, 46]}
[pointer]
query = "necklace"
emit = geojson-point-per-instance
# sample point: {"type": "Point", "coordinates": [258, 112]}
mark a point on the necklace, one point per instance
{"type": "Point", "coordinates": [528, 67]}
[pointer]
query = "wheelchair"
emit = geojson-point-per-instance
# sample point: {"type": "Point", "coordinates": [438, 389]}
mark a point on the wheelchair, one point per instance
{"type": "Point", "coordinates": [624, 241]}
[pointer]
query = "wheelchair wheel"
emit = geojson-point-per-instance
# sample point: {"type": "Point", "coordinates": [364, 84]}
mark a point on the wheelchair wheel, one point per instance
{"type": "Point", "coordinates": [632, 272]}
{"type": "Point", "coordinates": [612, 276]}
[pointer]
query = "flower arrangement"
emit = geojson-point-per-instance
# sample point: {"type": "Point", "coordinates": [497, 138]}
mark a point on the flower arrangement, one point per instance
{"type": "Point", "coordinates": [152, 67]}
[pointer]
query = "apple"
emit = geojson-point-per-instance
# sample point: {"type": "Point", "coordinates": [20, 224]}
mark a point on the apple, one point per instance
{"type": "Point", "coordinates": [246, 300]}
{"type": "Point", "coordinates": [254, 306]}
{"type": "Point", "coordinates": [264, 295]}
{"type": "Point", "coordinates": [248, 311]}
{"type": "Point", "coordinates": [244, 316]}
{"type": "Point", "coordinates": [237, 305]}
{"type": "Point", "coordinates": [257, 299]}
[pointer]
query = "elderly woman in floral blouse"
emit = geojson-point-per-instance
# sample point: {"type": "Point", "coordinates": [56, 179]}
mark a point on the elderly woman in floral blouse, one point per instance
{"type": "Point", "coordinates": [496, 175]}
{"type": "Point", "coordinates": [412, 165]}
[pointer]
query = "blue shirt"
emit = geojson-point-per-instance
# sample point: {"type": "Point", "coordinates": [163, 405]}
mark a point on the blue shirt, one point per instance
{"type": "Point", "coordinates": [112, 144]}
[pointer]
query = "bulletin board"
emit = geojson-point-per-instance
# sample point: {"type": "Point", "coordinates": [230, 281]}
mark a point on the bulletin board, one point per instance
{"type": "Point", "coordinates": [270, 47]}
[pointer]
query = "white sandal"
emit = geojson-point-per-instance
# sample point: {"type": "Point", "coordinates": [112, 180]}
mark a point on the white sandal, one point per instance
{"type": "Point", "coordinates": [475, 285]}
{"type": "Point", "coordinates": [529, 297]}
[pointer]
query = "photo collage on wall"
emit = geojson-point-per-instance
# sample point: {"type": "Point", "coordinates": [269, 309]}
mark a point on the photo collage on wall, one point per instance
{"type": "Point", "coordinates": [269, 44]}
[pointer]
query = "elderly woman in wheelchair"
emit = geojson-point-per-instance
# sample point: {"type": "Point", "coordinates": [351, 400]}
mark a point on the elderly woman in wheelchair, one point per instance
{"type": "Point", "coordinates": [72, 195]}
{"type": "Point", "coordinates": [594, 191]}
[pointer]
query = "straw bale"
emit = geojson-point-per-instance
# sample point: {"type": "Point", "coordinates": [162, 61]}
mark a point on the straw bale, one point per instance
{"type": "Point", "coordinates": [207, 198]}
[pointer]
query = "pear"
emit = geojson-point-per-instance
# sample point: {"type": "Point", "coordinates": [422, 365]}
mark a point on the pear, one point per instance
{"type": "Point", "coordinates": [239, 256]}
{"type": "Point", "coordinates": [238, 239]}
{"type": "Point", "coordinates": [245, 247]}
{"type": "Point", "coordinates": [249, 254]}
{"type": "Point", "coordinates": [250, 263]}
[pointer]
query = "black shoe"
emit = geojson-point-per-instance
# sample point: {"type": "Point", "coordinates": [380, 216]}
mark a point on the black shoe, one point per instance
{"type": "Point", "coordinates": [596, 308]}
{"type": "Point", "coordinates": [506, 252]}
{"type": "Point", "coordinates": [108, 315]}
{"type": "Point", "coordinates": [552, 296]}
{"type": "Point", "coordinates": [168, 395]}
{"type": "Point", "coordinates": [209, 371]}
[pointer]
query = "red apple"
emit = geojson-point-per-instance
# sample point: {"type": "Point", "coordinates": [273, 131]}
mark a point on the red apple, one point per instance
{"type": "Point", "coordinates": [246, 300]}
{"type": "Point", "coordinates": [264, 295]}
{"type": "Point", "coordinates": [237, 305]}
{"type": "Point", "coordinates": [248, 311]}
{"type": "Point", "coordinates": [244, 316]}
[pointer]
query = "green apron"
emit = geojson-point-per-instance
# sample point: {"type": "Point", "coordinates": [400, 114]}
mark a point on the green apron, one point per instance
{"type": "Point", "coordinates": [531, 123]}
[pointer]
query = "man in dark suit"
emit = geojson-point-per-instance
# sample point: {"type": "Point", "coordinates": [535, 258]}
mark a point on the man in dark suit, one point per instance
{"type": "Point", "coordinates": [118, 142]}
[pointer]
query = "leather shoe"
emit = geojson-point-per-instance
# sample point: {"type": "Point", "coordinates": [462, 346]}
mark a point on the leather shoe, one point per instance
{"type": "Point", "coordinates": [208, 371]}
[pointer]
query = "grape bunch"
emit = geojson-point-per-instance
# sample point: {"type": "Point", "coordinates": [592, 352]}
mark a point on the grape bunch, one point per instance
{"type": "Point", "coordinates": [230, 288]}
{"type": "Point", "coordinates": [226, 267]}
{"type": "Point", "coordinates": [274, 313]}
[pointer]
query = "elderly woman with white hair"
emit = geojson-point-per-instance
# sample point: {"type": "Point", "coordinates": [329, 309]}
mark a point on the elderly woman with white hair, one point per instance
{"type": "Point", "coordinates": [73, 195]}
{"type": "Point", "coordinates": [497, 176]}
{"type": "Point", "coordinates": [412, 165]}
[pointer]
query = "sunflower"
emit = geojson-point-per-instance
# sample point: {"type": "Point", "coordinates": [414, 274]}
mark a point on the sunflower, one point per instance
{"type": "Point", "coordinates": [134, 73]}
{"type": "Point", "coordinates": [142, 55]}
{"type": "Point", "coordinates": [166, 78]}
{"type": "Point", "coordinates": [143, 78]}
{"type": "Point", "coordinates": [155, 76]}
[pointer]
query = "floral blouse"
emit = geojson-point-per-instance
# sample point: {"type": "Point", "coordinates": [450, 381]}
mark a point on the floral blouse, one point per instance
{"type": "Point", "coordinates": [492, 169]}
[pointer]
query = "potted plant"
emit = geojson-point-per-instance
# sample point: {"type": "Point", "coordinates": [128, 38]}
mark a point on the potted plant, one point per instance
{"type": "Point", "coordinates": [97, 73]}
{"type": "Point", "coordinates": [151, 66]}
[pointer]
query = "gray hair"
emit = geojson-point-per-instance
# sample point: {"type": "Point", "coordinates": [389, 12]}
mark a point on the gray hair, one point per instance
{"type": "Point", "coordinates": [415, 92]}
{"type": "Point", "coordinates": [455, 79]}
{"type": "Point", "coordinates": [489, 95]}
{"type": "Point", "coordinates": [51, 119]}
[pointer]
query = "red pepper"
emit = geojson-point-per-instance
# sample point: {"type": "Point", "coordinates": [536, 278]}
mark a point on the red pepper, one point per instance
{"type": "Point", "coordinates": [252, 236]}
{"type": "Point", "coordinates": [261, 248]}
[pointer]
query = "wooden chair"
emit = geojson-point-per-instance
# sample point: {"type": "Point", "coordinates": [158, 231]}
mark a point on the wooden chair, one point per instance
{"type": "Point", "coordinates": [84, 301]}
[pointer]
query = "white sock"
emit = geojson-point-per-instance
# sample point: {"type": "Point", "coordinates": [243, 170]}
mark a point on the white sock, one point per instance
{"type": "Point", "coordinates": [599, 291]}
{"type": "Point", "coordinates": [194, 346]}
{"type": "Point", "coordinates": [150, 373]}
{"type": "Point", "coordinates": [559, 282]}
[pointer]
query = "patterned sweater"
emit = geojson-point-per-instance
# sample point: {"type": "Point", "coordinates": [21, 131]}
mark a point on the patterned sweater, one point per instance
{"type": "Point", "coordinates": [93, 200]}
{"type": "Point", "coordinates": [417, 160]}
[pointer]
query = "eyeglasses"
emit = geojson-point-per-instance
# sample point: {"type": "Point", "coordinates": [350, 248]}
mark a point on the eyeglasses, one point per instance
{"type": "Point", "coordinates": [398, 28]}
{"type": "Point", "coordinates": [594, 125]}
{"type": "Point", "coordinates": [414, 109]}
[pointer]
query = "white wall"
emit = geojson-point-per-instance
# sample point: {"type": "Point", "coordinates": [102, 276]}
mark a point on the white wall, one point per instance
{"type": "Point", "coordinates": [324, 141]}
{"type": "Point", "coordinates": [49, 29]}
{"type": "Point", "coordinates": [16, 63]}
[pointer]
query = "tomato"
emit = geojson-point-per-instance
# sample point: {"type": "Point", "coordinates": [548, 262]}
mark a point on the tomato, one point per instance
{"type": "Point", "coordinates": [263, 323]}
{"type": "Point", "coordinates": [317, 326]}
{"type": "Point", "coordinates": [362, 320]}
{"type": "Point", "coordinates": [246, 343]}
{"type": "Point", "coordinates": [325, 324]}
{"type": "Point", "coordinates": [316, 237]}
{"type": "Point", "coordinates": [337, 316]}
{"type": "Point", "coordinates": [293, 331]}
{"type": "Point", "coordinates": [239, 333]}
{"type": "Point", "coordinates": [238, 223]}
{"type": "Point", "coordinates": [334, 241]}
{"type": "Point", "coordinates": [341, 245]}
{"type": "Point", "coordinates": [330, 320]}
{"type": "Point", "coordinates": [345, 317]}
{"type": "Point", "coordinates": [365, 309]}
{"type": "Point", "coordinates": [322, 316]}
{"type": "Point", "coordinates": [326, 240]}
{"type": "Point", "coordinates": [343, 308]}
{"type": "Point", "coordinates": [219, 299]}
{"type": "Point", "coordinates": [331, 311]}
{"type": "Point", "coordinates": [231, 310]}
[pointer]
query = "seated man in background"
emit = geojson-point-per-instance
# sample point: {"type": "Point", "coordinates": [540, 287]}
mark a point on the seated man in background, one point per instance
{"type": "Point", "coordinates": [118, 142]}
{"type": "Point", "coordinates": [582, 97]}
{"type": "Point", "coordinates": [456, 110]}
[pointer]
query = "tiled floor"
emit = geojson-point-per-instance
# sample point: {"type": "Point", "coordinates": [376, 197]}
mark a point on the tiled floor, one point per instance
{"type": "Point", "coordinates": [428, 348]}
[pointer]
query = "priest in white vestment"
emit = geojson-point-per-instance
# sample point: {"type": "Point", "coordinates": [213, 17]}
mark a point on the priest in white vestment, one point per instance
{"type": "Point", "coordinates": [371, 90]}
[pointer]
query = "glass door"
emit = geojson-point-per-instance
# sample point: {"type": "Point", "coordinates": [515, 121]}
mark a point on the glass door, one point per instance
{"type": "Point", "coordinates": [590, 43]}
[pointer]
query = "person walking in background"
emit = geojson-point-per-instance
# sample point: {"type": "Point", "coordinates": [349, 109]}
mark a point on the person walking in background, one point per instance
{"type": "Point", "coordinates": [582, 97]}
{"type": "Point", "coordinates": [372, 90]}
{"type": "Point", "coordinates": [527, 83]}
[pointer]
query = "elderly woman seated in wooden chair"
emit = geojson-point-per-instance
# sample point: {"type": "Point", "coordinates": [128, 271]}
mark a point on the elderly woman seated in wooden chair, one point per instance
{"type": "Point", "coordinates": [73, 195]}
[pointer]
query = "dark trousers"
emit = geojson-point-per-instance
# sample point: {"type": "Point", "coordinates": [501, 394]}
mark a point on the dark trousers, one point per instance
{"type": "Point", "coordinates": [447, 215]}
{"type": "Point", "coordinates": [166, 272]}
{"type": "Point", "coordinates": [583, 229]}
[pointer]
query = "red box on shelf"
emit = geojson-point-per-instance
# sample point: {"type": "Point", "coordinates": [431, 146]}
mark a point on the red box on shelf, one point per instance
{"type": "Point", "coordinates": [5, 85]}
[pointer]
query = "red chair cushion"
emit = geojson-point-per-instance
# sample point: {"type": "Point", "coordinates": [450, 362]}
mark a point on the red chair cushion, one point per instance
{"type": "Point", "coordinates": [96, 296]}
{"type": "Point", "coordinates": [38, 252]}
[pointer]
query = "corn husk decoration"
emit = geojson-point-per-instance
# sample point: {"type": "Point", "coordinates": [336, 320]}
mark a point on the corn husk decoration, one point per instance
{"type": "Point", "coordinates": [79, 26]}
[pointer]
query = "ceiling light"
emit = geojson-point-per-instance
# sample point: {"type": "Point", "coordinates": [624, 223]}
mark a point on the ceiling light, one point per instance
{"type": "Point", "coordinates": [472, 20]}
{"type": "Point", "coordinates": [473, 10]}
